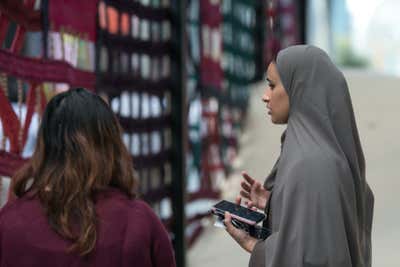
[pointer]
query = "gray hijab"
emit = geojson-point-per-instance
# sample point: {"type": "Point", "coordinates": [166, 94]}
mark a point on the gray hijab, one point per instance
{"type": "Point", "coordinates": [321, 206]}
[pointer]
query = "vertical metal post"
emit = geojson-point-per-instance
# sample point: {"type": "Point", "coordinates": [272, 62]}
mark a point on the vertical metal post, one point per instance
{"type": "Point", "coordinates": [302, 13]}
{"type": "Point", "coordinates": [45, 25]}
{"type": "Point", "coordinates": [179, 129]}
{"type": "Point", "coordinates": [261, 28]}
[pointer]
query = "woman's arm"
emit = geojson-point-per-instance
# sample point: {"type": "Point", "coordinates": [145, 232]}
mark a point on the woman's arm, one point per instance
{"type": "Point", "coordinates": [161, 247]}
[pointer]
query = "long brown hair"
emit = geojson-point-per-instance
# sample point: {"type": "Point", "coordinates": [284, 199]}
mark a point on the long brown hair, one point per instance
{"type": "Point", "coordinates": [79, 153]}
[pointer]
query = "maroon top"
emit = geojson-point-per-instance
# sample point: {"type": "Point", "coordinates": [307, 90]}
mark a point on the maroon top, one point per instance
{"type": "Point", "coordinates": [129, 234]}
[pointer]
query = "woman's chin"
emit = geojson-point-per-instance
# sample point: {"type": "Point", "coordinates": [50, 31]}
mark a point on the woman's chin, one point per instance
{"type": "Point", "coordinates": [276, 121]}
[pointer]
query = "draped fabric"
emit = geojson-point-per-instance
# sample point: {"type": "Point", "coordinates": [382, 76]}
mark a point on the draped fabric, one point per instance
{"type": "Point", "coordinates": [242, 50]}
{"type": "Point", "coordinates": [222, 62]}
{"type": "Point", "coordinates": [211, 44]}
{"type": "Point", "coordinates": [289, 22]}
{"type": "Point", "coordinates": [321, 206]}
{"type": "Point", "coordinates": [135, 73]}
{"type": "Point", "coordinates": [283, 26]}
{"type": "Point", "coordinates": [27, 80]}
{"type": "Point", "coordinates": [241, 27]}
{"type": "Point", "coordinates": [204, 164]}
{"type": "Point", "coordinates": [75, 16]}
{"type": "Point", "coordinates": [70, 33]}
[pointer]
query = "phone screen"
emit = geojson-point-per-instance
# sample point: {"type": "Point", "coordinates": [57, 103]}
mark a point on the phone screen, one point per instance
{"type": "Point", "coordinates": [240, 211]}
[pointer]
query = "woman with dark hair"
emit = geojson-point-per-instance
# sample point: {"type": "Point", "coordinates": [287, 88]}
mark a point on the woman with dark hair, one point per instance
{"type": "Point", "coordinates": [76, 201]}
{"type": "Point", "coordinates": [317, 200]}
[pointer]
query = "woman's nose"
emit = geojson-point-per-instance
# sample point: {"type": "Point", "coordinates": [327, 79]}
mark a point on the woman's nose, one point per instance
{"type": "Point", "coordinates": [266, 96]}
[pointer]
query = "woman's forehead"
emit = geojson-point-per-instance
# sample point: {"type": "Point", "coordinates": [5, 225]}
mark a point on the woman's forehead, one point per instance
{"type": "Point", "coordinates": [272, 71]}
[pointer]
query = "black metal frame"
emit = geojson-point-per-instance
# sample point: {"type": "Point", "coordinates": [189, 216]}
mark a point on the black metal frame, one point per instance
{"type": "Point", "coordinates": [179, 129]}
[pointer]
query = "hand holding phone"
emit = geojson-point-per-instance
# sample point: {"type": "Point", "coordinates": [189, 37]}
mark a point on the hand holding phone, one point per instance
{"type": "Point", "coordinates": [239, 213]}
{"type": "Point", "coordinates": [241, 218]}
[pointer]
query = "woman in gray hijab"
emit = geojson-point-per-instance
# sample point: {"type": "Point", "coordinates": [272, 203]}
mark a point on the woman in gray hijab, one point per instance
{"type": "Point", "coordinates": [318, 203]}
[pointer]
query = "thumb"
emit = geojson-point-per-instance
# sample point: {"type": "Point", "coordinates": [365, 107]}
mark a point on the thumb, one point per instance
{"type": "Point", "coordinates": [238, 200]}
{"type": "Point", "coordinates": [228, 223]}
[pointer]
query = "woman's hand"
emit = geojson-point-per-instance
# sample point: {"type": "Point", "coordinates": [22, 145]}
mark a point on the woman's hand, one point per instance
{"type": "Point", "coordinates": [253, 191]}
{"type": "Point", "coordinates": [241, 237]}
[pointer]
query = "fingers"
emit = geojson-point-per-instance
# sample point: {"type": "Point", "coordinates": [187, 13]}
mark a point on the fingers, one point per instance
{"type": "Point", "coordinates": [248, 178]}
{"type": "Point", "coordinates": [256, 186]}
{"type": "Point", "coordinates": [245, 186]}
{"type": "Point", "coordinates": [238, 200]}
{"type": "Point", "coordinates": [240, 236]}
{"type": "Point", "coordinates": [251, 205]}
{"type": "Point", "coordinates": [228, 223]}
{"type": "Point", "coordinates": [244, 194]}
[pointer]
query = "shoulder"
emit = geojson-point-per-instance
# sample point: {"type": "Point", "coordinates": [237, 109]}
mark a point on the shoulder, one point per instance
{"type": "Point", "coordinates": [7, 210]}
{"type": "Point", "coordinates": [319, 170]}
{"type": "Point", "coordinates": [317, 160]}
{"type": "Point", "coordinates": [143, 209]}
{"type": "Point", "coordinates": [13, 209]}
{"type": "Point", "coordinates": [118, 204]}
{"type": "Point", "coordinates": [141, 216]}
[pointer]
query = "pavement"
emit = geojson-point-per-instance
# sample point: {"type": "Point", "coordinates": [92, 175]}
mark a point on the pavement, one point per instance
{"type": "Point", "coordinates": [376, 100]}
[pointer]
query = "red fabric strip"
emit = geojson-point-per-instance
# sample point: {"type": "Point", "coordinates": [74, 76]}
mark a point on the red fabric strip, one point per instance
{"type": "Point", "coordinates": [3, 27]}
{"type": "Point", "coordinates": [18, 40]}
{"type": "Point", "coordinates": [74, 16]}
{"type": "Point", "coordinates": [43, 101]}
{"type": "Point", "coordinates": [43, 70]}
{"type": "Point", "coordinates": [20, 33]}
{"type": "Point", "coordinates": [30, 104]}
{"type": "Point", "coordinates": [214, 167]}
{"type": "Point", "coordinates": [9, 163]}
{"type": "Point", "coordinates": [210, 13]}
{"type": "Point", "coordinates": [11, 124]}
{"type": "Point", "coordinates": [23, 16]}
{"type": "Point", "coordinates": [211, 72]}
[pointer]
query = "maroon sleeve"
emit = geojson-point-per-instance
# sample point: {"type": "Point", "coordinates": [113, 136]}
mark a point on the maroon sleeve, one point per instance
{"type": "Point", "coordinates": [1, 239]}
{"type": "Point", "coordinates": [1, 230]}
{"type": "Point", "coordinates": [161, 247]}
{"type": "Point", "coordinates": [10, 204]}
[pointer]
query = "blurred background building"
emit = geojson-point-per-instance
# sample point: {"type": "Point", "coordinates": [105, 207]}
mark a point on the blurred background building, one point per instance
{"type": "Point", "coordinates": [357, 33]}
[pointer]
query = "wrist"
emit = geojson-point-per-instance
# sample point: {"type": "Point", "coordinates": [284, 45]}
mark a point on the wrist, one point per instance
{"type": "Point", "coordinates": [250, 244]}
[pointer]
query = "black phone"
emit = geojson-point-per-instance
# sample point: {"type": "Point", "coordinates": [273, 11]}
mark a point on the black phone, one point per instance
{"type": "Point", "coordinates": [238, 212]}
